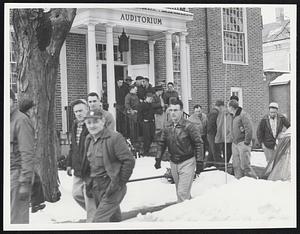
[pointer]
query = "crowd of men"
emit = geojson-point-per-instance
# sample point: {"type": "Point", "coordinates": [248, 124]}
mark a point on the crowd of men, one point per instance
{"type": "Point", "coordinates": [99, 158]}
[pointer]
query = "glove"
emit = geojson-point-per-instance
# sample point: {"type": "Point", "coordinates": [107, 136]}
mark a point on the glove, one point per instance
{"type": "Point", "coordinates": [157, 163]}
{"type": "Point", "coordinates": [24, 191]}
{"type": "Point", "coordinates": [199, 168]}
{"type": "Point", "coordinates": [112, 188]}
{"type": "Point", "coordinates": [69, 171]}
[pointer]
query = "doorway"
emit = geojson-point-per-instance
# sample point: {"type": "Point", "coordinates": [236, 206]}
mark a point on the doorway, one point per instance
{"type": "Point", "coordinates": [119, 75]}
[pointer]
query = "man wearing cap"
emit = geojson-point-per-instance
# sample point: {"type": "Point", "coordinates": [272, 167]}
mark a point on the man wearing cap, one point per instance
{"type": "Point", "coordinates": [132, 103]}
{"type": "Point", "coordinates": [121, 92]}
{"type": "Point", "coordinates": [74, 159]}
{"type": "Point", "coordinates": [22, 157]}
{"type": "Point", "coordinates": [95, 103]}
{"type": "Point", "coordinates": [270, 126]}
{"type": "Point", "coordinates": [147, 117]}
{"type": "Point", "coordinates": [110, 166]}
{"type": "Point", "coordinates": [140, 88]}
{"type": "Point", "coordinates": [147, 87]}
{"type": "Point", "coordinates": [241, 132]}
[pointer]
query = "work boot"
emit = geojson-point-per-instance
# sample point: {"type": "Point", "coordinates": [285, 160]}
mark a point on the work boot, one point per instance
{"type": "Point", "coordinates": [37, 208]}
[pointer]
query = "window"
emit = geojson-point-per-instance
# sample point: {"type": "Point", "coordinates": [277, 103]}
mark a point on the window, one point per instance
{"type": "Point", "coordinates": [176, 53]}
{"type": "Point", "coordinates": [237, 91]}
{"type": "Point", "coordinates": [101, 52]}
{"type": "Point", "coordinates": [13, 64]}
{"type": "Point", "coordinates": [234, 35]}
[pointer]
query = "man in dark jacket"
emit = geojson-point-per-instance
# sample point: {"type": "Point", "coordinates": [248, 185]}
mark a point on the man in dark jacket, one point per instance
{"type": "Point", "coordinates": [131, 107]}
{"type": "Point", "coordinates": [74, 159]}
{"type": "Point", "coordinates": [241, 131]}
{"type": "Point", "coordinates": [140, 88]}
{"type": "Point", "coordinates": [111, 165]}
{"type": "Point", "coordinates": [214, 149]}
{"type": "Point", "coordinates": [269, 128]}
{"type": "Point", "coordinates": [159, 109]}
{"type": "Point", "coordinates": [147, 117]}
{"type": "Point", "coordinates": [170, 93]}
{"type": "Point", "coordinates": [185, 147]}
{"type": "Point", "coordinates": [22, 157]}
{"type": "Point", "coordinates": [121, 92]}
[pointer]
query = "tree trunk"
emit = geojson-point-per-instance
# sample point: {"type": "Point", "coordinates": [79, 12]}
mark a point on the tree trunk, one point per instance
{"type": "Point", "coordinates": [39, 37]}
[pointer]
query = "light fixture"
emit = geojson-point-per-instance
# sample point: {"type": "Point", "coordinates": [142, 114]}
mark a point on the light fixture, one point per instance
{"type": "Point", "coordinates": [123, 42]}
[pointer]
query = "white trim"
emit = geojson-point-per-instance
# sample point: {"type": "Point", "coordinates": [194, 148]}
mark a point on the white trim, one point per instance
{"type": "Point", "coordinates": [64, 86]}
{"type": "Point", "coordinates": [239, 90]}
{"type": "Point", "coordinates": [188, 61]}
{"type": "Point", "coordinates": [245, 31]}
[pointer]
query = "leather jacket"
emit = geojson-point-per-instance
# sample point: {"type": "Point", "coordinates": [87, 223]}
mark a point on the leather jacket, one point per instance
{"type": "Point", "coordinates": [183, 141]}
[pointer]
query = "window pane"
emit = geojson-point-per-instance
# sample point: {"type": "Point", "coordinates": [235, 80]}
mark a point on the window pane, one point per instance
{"type": "Point", "coordinates": [234, 35]}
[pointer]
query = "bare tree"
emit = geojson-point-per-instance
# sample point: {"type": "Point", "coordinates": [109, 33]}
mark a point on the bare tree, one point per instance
{"type": "Point", "coordinates": [39, 36]}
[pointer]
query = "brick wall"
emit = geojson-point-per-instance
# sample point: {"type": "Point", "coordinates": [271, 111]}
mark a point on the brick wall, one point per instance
{"type": "Point", "coordinates": [248, 77]}
{"type": "Point", "coordinates": [197, 41]}
{"type": "Point", "coordinates": [139, 52]}
{"type": "Point", "coordinates": [281, 95]}
{"type": "Point", "coordinates": [76, 66]}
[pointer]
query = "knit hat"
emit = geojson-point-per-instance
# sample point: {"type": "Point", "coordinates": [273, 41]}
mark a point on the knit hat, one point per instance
{"type": "Point", "coordinates": [98, 114]}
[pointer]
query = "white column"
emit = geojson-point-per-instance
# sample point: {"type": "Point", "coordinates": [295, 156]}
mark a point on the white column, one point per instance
{"type": "Point", "coordinates": [93, 85]}
{"type": "Point", "coordinates": [183, 72]}
{"type": "Point", "coordinates": [151, 61]}
{"type": "Point", "coordinates": [63, 85]}
{"type": "Point", "coordinates": [110, 70]}
{"type": "Point", "coordinates": [169, 58]}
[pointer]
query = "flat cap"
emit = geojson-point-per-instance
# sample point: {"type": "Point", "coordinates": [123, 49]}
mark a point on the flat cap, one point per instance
{"type": "Point", "coordinates": [273, 105]}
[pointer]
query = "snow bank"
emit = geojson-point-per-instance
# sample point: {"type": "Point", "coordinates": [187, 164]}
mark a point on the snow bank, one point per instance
{"type": "Point", "coordinates": [246, 199]}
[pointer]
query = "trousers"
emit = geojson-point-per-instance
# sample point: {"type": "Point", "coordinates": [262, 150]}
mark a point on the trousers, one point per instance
{"type": "Point", "coordinates": [241, 154]}
{"type": "Point", "coordinates": [183, 174]}
{"type": "Point", "coordinates": [108, 208]}
{"type": "Point", "coordinates": [79, 195]}
{"type": "Point", "coordinates": [19, 209]}
{"type": "Point", "coordinates": [148, 132]}
{"type": "Point", "coordinates": [269, 153]}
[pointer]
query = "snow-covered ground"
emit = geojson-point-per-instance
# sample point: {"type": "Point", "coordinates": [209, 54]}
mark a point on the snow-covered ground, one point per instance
{"type": "Point", "coordinates": [246, 201]}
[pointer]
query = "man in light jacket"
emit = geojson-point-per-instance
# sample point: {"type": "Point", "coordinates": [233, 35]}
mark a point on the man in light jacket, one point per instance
{"type": "Point", "coordinates": [241, 131]}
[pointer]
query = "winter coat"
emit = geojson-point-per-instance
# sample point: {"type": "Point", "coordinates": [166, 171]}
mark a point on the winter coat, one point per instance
{"type": "Point", "coordinates": [76, 151]}
{"type": "Point", "coordinates": [146, 111]}
{"type": "Point", "coordinates": [212, 122]}
{"type": "Point", "coordinates": [200, 122]}
{"type": "Point", "coordinates": [219, 138]}
{"type": "Point", "coordinates": [156, 104]}
{"type": "Point", "coordinates": [131, 102]}
{"type": "Point", "coordinates": [22, 153]}
{"type": "Point", "coordinates": [121, 93]}
{"type": "Point", "coordinates": [168, 94]}
{"type": "Point", "coordinates": [183, 141]}
{"type": "Point", "coordinates": [241, 129]}
{"type": "Point", "coordinates": [117, 159]}
{"type": "Point", "coordinates": [264, 132]}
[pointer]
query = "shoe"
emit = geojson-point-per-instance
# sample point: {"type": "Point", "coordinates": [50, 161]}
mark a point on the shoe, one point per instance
{"type": "Point", "coordinates": [37, 208]}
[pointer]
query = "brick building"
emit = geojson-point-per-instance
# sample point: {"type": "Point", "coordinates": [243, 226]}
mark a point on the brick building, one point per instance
{"type": "Point", "coordinates": [202, 50]}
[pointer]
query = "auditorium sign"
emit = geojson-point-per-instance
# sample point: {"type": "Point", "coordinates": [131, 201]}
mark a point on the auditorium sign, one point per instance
{"type": "Point", "coordinates": [141, 19]}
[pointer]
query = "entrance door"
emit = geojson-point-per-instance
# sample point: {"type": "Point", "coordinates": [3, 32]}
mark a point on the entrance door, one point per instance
{"type": "Point", "coordinates": [119, 74]}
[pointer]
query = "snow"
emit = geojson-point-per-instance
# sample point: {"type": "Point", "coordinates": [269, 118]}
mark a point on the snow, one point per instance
{"type": "Point", "coordinates": [213, 200]}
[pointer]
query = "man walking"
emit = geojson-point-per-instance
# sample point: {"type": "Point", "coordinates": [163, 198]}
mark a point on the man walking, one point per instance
{"type": "Point", "coordinates": [270, 126]}
{"type": "Point", "coordinates": [214, 149]}
{"type": "Point", "coordinates": [147, 117]}
{"type": "Point", "coordinates": [74, 159]}
{"type": "Point", "coordinates": [95, 103]}
{"type": "Point", "coordinates": [22, 158]}
{"type": "Point", "coordinates": [200, 119]}
{"type": "Point", "coordinates": [185, 147]}
{"type": "Point", "coordinates": [111, 164]}
{"type": "Point", "coordinates": [241, 144]}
